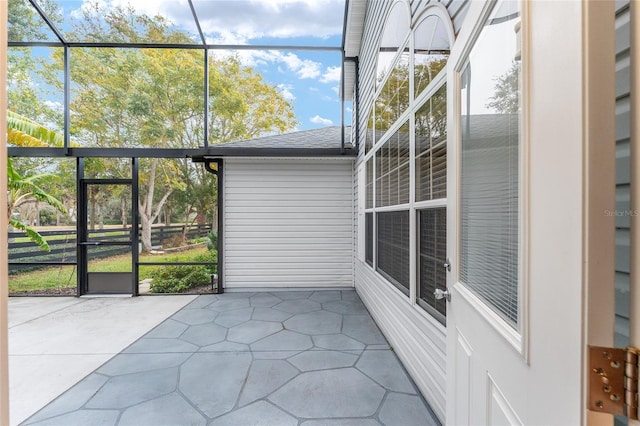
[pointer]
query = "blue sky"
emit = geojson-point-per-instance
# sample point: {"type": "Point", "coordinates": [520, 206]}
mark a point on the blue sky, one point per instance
{"type": "Point", "coordinates": [309, 79]}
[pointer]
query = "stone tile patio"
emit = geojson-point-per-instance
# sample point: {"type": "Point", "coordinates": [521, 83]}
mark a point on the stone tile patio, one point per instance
{"type": "Point", "coordinates": [267, 358]}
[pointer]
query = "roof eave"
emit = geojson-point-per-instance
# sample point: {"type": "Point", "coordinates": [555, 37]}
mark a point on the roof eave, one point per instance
{"type": "Point", "coordinates": [217, 152]}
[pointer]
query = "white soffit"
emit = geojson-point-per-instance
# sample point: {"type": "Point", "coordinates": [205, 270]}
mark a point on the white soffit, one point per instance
{"type": "Point", "coordinates": [355, 26]}
{"type": "Point", "coordinates": [356, 12]}
{"type": "Point", "coordinates": [349, 80]}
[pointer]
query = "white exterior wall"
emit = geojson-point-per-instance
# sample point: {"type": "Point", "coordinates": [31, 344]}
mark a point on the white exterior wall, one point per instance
{"type": "Point", "coordinates": [288, 223]}
{"type": "Point", "coordinates": [623, 171]}
{"type": "Point", "coordinates": [417, 338]}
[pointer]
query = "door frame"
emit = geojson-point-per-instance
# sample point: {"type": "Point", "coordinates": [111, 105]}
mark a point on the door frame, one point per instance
{"type": "Point", "coordinates": [83, 233]}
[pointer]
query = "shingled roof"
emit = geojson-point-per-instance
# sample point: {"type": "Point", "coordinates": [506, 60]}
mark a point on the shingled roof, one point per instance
{"type": "Point", "coordinates": [323, 141]}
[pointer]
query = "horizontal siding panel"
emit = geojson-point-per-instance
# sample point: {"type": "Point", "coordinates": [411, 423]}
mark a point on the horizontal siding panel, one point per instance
{"type": "Point", "coordinates": [240, 204]}
{"type": "Point", "coordinates": [279, 222]}
{"type": "Point", "coordinates": [291, 228]}
{"type": "Point", "coordinates": [317, 183]}
{"type": "Point", "coordinates": [243, 245]}
{"type": "Point", "coordinates": [300, 197]}
{"type": "Point", "coordinates": [301, 280]}
{"type": "Point", "coordinates": [344, 242]}
{"type": "Point", "coordinates": [291, 270]}
{"type": "Point", "coordinates": [288, 223]}
{"type": "Point", "coordinates": [298, 209]}
{"type": "Point", "coordinates": [623, 118]}
{"type": "Point", "coordinates": [292, 255]}
{"type": "Point", "coordinates": [291, 190]}
{"type": "Point", "coordinates": [285, 262]}
{"type": "Point", "coordinates": [286, 214]}
{"type": "Point", "coordinates": [323, 283]}
{"type": "Point", "coordinates": [331, 176]}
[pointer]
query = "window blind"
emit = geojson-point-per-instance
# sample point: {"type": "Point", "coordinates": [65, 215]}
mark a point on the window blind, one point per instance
{"type": "Point", "coordinates": [393, 247]}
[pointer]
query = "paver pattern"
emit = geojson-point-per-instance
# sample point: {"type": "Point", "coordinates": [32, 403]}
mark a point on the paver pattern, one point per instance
{"type": "Point", "coordinates": [266, 358]}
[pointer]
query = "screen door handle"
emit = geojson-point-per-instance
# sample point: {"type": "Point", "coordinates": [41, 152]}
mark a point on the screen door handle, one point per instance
{"type": "Point", "coordinates": [442, 294]}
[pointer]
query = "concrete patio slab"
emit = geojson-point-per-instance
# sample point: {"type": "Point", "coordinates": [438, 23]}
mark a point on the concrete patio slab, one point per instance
{"type": "Point", "coordinates": [54, 342]}
{"type": "Point", "coordinates": [312, 366]}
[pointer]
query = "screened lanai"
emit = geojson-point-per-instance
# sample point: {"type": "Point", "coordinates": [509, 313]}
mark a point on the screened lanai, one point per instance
{"type": "Point", "coordinates": [110, 103]}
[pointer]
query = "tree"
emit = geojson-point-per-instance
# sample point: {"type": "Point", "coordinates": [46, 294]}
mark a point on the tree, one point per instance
{"type": "Point", "coordinates": [506, 98]}
{"type": "Point", "coordinates": [25, 189]}
{"type": "Point", "coordinates": [152, 98]}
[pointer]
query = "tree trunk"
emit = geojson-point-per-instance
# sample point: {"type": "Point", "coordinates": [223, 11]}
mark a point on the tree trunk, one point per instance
{"type": "Point", "coordinates": [123, 206]}
{"type": "Point", "coordinates": [145, 204]}
{"type": "Point", "coordinates": [100, 216]}
{"type": "Point", "coordinates": [36, 219]}
{"type": "Point", "coordinates": [92, 211]}
{"type": "Point", "coordinates": [167, 215]}
{"type": "Point", "coordinates": [145, 237]}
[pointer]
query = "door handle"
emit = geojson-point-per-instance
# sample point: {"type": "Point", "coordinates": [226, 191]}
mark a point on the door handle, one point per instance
{"type": "Point", "coordinates": [447, 265]}
{"type": "Point", "coordinates": [442, 294]}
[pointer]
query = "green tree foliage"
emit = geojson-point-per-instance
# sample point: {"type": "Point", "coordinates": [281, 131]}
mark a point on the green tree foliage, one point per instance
{"type": "Point", "coordinates": [24, 189]}
{"type": "Point", "coordinates": [506, 97]}
{"type": "Point", "coordinates": [152, 98]}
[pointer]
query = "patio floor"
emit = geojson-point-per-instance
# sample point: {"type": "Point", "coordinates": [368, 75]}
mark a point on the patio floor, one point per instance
{"type": "Point", "coordinates": [265, 358]}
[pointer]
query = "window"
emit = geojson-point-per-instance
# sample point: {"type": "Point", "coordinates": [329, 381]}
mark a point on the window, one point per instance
{"type": "Point", "coordinates": [432, 253]}
{"type": "Point", "coordinates": [408, 126]}
{"type": "Point", "coordinates": [392, 177]}
{"type": "Point", "coordinates": [393, 247]}
{"type": "Point", "coordinates": [430, 52]}
{"type": "Point", "coordinates": [431, 147]}
{"type": "Point", "coordinates": [395, 32]}
{"type": "Point", "coordinates": [490, 155]}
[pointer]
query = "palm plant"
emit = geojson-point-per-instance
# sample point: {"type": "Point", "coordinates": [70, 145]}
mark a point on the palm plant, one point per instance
{"type": "Point", "coordinates": [21, 131]}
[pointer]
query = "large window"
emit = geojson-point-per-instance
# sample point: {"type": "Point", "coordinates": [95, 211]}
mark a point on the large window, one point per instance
{"type": "Point", "coordinates": [409, 127]}
{"type": "Point", "coordinates": [489, 189]}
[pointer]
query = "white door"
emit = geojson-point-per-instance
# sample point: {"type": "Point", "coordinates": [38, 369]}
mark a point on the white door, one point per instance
{"type": "Point", "coordinates": [521, 211]}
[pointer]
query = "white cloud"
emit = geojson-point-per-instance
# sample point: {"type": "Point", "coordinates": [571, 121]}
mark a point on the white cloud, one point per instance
{"type": "Point", "coordinates": [331, 74]}
{"type": "Point", "coordinates": [304, 68]}
{"type": "Point", "coordinates": [285, 90]}
{"type": "Point", "coordinates": [240, 21]}
{"type": "Point", "coordinates": [254, 19]}
{"type": "Point", "coordinates": [336, 90]}
{"type": "Point", "coordinates": [320, 120]}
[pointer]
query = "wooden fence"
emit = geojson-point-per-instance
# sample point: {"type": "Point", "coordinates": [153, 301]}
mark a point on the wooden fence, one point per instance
{"type": "Point", "coordinates": [63, 244]}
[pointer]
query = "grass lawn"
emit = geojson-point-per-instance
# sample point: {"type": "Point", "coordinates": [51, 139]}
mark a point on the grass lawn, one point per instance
{"type": "Point", "coordinates": [65, 276]}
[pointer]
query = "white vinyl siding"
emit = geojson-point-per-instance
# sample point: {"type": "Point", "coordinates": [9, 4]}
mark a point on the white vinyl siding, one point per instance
{"type": "Point", "coordinates": [288, 223]}
{"type": "Point", "coordinates": [623, 173]}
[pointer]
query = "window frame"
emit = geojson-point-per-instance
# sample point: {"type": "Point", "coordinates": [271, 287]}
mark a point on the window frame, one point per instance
{"type": "Point", "coordinates": [415, 102]}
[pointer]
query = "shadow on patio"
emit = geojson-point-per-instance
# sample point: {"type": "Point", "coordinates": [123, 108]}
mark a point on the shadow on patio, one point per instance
{"type": "Point", "coordinates": [267, 358]}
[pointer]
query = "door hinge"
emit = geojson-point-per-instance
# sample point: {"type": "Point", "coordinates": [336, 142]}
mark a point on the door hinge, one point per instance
{"type": "Point", "coordinates": [613, 380]}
